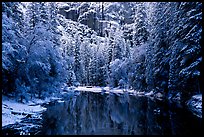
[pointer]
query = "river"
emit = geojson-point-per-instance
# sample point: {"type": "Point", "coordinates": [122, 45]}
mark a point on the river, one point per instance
{"type": "Point", "coordinates": [102, 113]}
{"type": "Point", "coordinates": [112, 114]}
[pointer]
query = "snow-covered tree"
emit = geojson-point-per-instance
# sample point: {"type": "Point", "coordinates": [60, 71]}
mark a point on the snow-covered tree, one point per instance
{"type": "Point", "coordinates": [188, 46]}
{"type": "Point", "coordinates": [77, 59]}
{"type": "Point", "coordinates": [173, 52]}
{"type": "Point", "coordinates": [140, 32]}
{"type": "Point", "coordinates": [13, 50]}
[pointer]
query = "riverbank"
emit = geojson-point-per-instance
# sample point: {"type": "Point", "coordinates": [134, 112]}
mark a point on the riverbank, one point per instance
{"type": "Point", "coordinates": [14, 112]}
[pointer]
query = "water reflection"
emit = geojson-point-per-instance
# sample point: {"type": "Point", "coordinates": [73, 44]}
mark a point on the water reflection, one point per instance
{"type": "Point", "coordinates": [94, 114]}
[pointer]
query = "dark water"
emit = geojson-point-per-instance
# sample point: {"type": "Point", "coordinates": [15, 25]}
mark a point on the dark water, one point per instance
{"type": "Point", "coordinates": [96, 113]}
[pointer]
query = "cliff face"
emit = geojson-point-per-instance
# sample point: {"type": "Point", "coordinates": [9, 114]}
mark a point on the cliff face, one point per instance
{"type": "Point", "coordinates": [96, 16]}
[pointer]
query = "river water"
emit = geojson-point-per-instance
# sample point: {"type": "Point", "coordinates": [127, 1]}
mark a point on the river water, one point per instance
{"type": "Point", "coordinates": [90, 113]}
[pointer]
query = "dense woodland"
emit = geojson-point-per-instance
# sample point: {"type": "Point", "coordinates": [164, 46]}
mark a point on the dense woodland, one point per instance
{"type": "Point", "coordinates": [145, 46]}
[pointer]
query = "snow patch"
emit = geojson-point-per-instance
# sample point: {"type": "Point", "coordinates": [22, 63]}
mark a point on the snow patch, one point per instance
{"type": "Point", "coordinates": [149, 93]}
{"type": "Point", "coordinates": [13, 111]}
{"type": "Point", "coordinates": [89, 88]}
{"type": "Point", "coordinates": [195, 105]}
{"type": "Point", "coordinates": [60, 101]}
{"type": "Point", "coordinates": [103, 89]}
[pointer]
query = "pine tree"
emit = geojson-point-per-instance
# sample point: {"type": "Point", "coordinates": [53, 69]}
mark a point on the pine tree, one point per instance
{"type": "Point", "coordinates": [140, 33]}
{"type": "Point", "coordinates": [85, 57]}
{"type": "Point", "coordinates": [77, 61]}
{"type": "Point", "coordinates": [187, 39]}
{"type": "Point", "coordinates": [43, 12]}
{"type": "Point", "coordinates": [33, 13]}
{"type": "Point", "coordinates": [93, 71]}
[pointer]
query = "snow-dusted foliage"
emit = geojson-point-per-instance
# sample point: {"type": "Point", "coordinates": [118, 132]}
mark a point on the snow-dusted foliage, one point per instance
{"type": "Point", "coordinates": [32, 62]}
{"type": "Point", "coordinates": [152, 46]}
{"type": "Point", "coordinates": [140, 33]}
{"type": "Point", "coordinates": [13, 50]}
{"type": "Point", "coordinates": [175, 37]}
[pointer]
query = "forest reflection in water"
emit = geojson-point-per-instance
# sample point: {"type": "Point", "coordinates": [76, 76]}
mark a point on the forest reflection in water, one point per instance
{"type": "Point", "coordinates": [89, 113]}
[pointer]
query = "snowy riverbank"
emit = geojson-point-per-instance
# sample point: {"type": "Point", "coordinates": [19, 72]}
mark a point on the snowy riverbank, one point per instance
{"type": "Point", "coordinates": [13, 111]}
